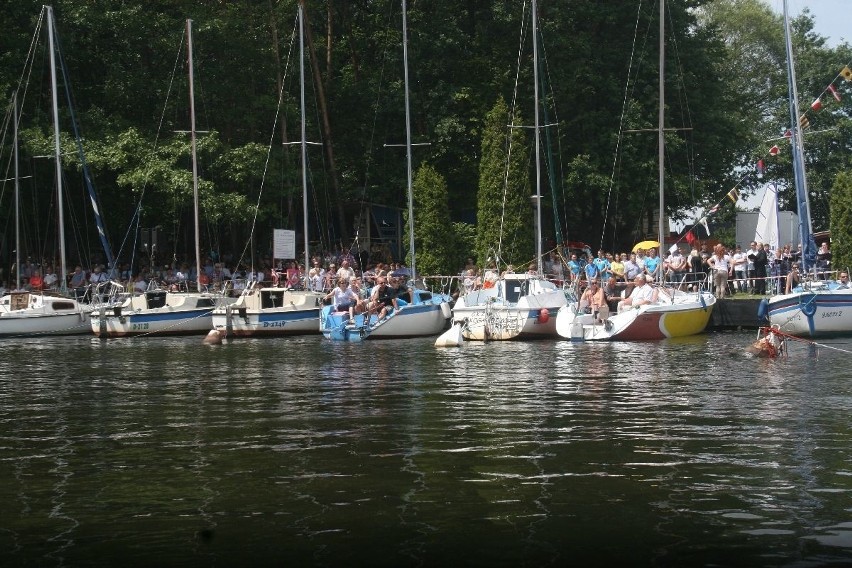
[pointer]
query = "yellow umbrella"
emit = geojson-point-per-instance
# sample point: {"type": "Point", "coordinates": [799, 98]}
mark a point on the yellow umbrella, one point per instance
{"type": "Point", "coordinates": [645, 245]}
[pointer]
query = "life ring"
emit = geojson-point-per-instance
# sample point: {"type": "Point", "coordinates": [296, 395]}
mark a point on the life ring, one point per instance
{"type": "Point", "coordinates": [809, 307]}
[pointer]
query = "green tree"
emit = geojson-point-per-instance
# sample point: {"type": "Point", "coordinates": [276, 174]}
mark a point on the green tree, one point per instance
{"type": "Point", "coordinates": [504, 226]}
{"type": "Point", "coordinates": [433, 230]}
{"type": "Point", "coordinates": [841, 221]}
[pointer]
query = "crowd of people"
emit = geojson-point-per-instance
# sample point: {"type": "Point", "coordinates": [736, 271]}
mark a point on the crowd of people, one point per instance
{"type": "Point", "coordinates": [757, 270]}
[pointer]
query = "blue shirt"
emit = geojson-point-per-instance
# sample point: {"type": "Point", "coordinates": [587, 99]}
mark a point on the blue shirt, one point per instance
{"type": "Point", "coordinates": [651, 264]}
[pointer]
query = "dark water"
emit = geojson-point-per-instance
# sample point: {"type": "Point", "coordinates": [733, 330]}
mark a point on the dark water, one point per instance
{"type": "Point", "coordinates": [300, 451]}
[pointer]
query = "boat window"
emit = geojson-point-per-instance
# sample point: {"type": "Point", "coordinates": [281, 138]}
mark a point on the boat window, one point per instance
{"type": "Point", "coordinates": [156, 299]}
{"type": "Point", "coordinates": [271, 299]}
{"type": "Point", "coordinates": [205, 303]}
{"type": "Point", "coordinates": [59, 306]}
{"type": "Point", "coordinates": [514, 290]}
{"type": "Point", "coordinates": [424, 296]}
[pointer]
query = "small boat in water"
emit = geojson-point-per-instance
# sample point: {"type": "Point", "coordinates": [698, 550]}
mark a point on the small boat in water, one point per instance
{"type": "Point", "coordinates": [673, 314]}
{"type": "Point", "coordinates": [42, 313]}
{"type": "Point", "coordinates": [268, 311]}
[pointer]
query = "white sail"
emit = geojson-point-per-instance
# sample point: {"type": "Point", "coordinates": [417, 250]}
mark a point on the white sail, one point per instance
{"type": "Point", "coordinates": [767, 221]}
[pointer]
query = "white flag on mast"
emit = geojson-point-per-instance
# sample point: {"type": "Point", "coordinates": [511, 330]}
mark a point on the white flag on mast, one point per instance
{"type": "Point", "coordinates": [767, 219]}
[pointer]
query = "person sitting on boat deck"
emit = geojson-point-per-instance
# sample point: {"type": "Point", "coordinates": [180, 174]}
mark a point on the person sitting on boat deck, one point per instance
{"type": "Point", "coordinates": [471, 281]}
{"type": "Point", "coordinates": [843, 281]}
{"type": "Point", "coordinates": [356, 286]}
{"type": "Point", "coordinates": [793, 279]}
{"type": "Point", "coordinates": [532, 270]}
{"type": "Point", "coordinates": [642, 294]}
{"type": "Point", "coordinates": [404, 294]}
{"type": "Point", "coordinates": [343, 298]}
{"type": "Point", "coordinates": [612, 292]}
{"type": "Point", "coordinates": [491, 275]}
{"type": "Point", "coordinates": [593, 301]}
{"type": "Point", "coordinates": [382, 298]}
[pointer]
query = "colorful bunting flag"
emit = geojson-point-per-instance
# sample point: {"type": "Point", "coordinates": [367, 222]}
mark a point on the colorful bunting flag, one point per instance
{"type": "Point", "coordinates": [703, 221]}
{"type": "Point", "coordinates": [816, 105]}
{"type": "Point", "coordinates": [760, 168]}
{"type": "Point", "coordinates": [834, 92]}
{"type": "Point", "coordinates": [804, 122]}
{"type": "Point", "coordinates": [714, 209]}
{"type": "Point", "coordinates": [733, 195]}
{"type": "Point", "coordinates": [788, 134]}
{"type": "Point", "coordinates": [690, 237]}
{"type": "Point", "coordinates": [847, 73]}
{"type": "Point", "coordinates": [774, 151]}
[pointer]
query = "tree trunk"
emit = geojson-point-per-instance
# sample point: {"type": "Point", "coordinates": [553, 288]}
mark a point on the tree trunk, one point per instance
{"type": "Point", "coordinates": [326, 126]}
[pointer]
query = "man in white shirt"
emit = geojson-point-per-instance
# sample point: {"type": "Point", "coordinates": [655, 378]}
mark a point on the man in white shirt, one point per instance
{"type": "Point", "coordinates": [740, 262]}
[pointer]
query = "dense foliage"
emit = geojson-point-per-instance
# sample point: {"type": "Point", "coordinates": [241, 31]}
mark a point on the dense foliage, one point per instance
{"type": "Point", "coordinates": [841, 222]}
{"type": "Point", "coordinates": [126, 64]}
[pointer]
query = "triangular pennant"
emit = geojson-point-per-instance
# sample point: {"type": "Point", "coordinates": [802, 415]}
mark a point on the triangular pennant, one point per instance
{"type": "Point", "coordinates": [774, 151]}
{"type": "Point", "coordinates": [847, 73]}
{"type": "Point", "coordinates": [816, 105]}
{"type": "Point", "coordinates": [834, 93]}
{"type": "Point", "coordinates": [733, 195]}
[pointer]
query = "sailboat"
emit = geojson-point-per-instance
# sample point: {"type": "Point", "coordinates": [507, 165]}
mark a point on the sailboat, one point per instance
{"type": "Point", "coordinates": [518, 305]}
{"type": "Point", "coordinates": [277, 310]}
{"type": "Point", "coordinates": [25, 313]}
{"type": "Point", "coordinates": [672, 312]}
{"type": "Point", "coordinates": [422, 313]}
{"type": "Point", "coordinates": [165, 312]}
{"type": "Point", "coordinates": [815, 307]}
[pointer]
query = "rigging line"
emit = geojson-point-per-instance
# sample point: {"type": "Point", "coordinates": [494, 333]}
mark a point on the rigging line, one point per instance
{"type": "Point", "coordinates": [371, 139]}
{"type": "Point", "coordinates": [509, 136]}
{"type": "Point", "coordinates": [619, 138]}
{"type": "Point", "coordinates": [272, 135]}
{"type": "Point", "coordinates": [135, 218]}
{"type": "Point", "coordinates": [682, 94]}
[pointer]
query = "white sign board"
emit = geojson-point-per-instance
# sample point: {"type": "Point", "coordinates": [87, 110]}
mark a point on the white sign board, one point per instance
{"type": "Point", "coordinates": [284, 244]}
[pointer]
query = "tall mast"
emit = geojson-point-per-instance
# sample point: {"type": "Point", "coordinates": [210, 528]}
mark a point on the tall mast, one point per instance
{"type": "Point", "coordinates": [17, 196]}
{"type": "Point", "coordinates": [805, 229]}
{"type": "Point", "coordinates": [57, 151]}
{"type": "Point", "coordinates": [536, 128]}
{"type": "Point", "coordinates": [198, 267]}
{"type": "Point", "coordinates": [408, 145]}
{"type": "Point", "coordinates": [304, 140]}
{"type": "Point", "coordinates": [661, 139]}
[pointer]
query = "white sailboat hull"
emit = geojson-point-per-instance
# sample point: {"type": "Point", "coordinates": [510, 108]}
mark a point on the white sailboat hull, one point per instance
{"type": "Point", "coordinates": [38, 315]}
{"type": "Point", "coordinates": [180, 314]}
{"type": "Point", "coordinates": [516, 307]}
{"type": "Point", "coordinates": [269, 312]}
{"type": "Point", "coordinates": [815, 311]}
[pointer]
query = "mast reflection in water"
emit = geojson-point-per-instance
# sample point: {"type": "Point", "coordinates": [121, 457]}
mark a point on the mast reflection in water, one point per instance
{"type": "Point", "coordinates": [154, 452]}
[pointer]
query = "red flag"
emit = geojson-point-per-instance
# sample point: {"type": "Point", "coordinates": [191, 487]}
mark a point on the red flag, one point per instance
{"type": "Point", "coordinates": [774, 151]}
{"type": "Point", "coordinates": [690, 237]}
{"type": "Point", "coordinates": [834, 92]}
{"type": "Point", "coordinates": [760, 168]}
{"type": "Point", "coordinates": [788, 134]}
{"type": "Point", "coordinates": [816, 105]}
